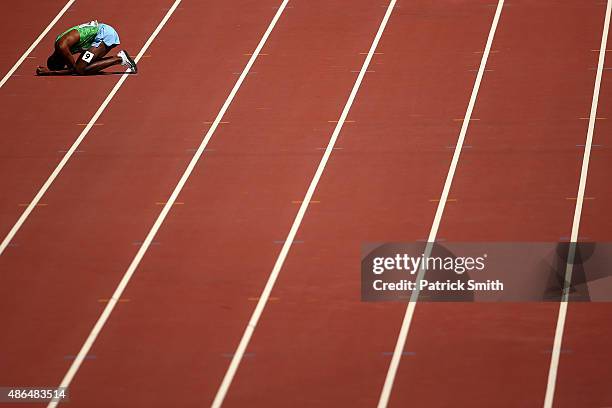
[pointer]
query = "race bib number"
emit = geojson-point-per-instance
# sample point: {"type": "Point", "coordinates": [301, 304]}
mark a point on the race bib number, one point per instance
{"type": "Point", "coordinates": [88, 56]}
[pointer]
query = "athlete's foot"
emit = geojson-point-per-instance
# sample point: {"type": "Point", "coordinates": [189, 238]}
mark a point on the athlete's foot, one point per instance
{"type": "Point", "coordinates": [127, 61]}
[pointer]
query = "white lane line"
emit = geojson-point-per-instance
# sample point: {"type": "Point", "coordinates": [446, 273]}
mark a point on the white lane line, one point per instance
{"type": "Point", "coordinates": [36, 42]}
{"type": "Point", "coordinates": [403, 334]}
{"type": "Point", "coordinates": [267, 290]}
{"type": "Point", "coordinates": [117, 294]}
{"type": "Point", "coordinates": [26, 213]}
{"type": "Point", "coordinates": [554, 360]}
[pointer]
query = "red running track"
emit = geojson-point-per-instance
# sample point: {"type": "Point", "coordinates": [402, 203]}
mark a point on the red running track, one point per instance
{"type": "Point", "coordinates": [170, 340]}
{"type": "Point", "coordinates": [19, 27]}
{"type": "Point", "coordinates": [584, 369]}
{"type": "Point", "coordinates": [95, 197]}
{"type": "Point", "coordinates": [275, 129]}
{"type": "Point", "coordinates": [393, 161]}
{"type": "Point", "coordinates": [513, 184]}
{"type": "Point", "coordinates": [42, 116]}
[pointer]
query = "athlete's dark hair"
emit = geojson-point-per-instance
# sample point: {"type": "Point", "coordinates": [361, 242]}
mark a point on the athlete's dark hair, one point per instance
{"type": "Point", "coordinates": [56, 62]}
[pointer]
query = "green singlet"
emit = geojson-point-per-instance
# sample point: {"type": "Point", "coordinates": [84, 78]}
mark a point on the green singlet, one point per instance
{"type": "Point", "coordinates": [87, 35]}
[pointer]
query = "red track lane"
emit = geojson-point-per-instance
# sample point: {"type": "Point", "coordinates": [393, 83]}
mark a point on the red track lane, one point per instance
{"type": "Point", "coordinates": [20, 24]}
{"type": "Point", "coordinates": [584, 368]}
{"type": "Point", "coordinates": [106, 198]}
{"type": "Point", "coordinates": [512, 185]}
{"type": "Point", "coordinates": [189, 300]}
{"type": "Point", "coordinates": [72, 252]}
{"type": "Point", "coordinates": [318, 344]}
{"type": "Point", "coordinates": [40, 115]}
{"type": "Point", "coordinates": [170, 342]}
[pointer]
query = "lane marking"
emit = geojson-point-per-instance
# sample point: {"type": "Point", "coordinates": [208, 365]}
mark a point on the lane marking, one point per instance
{"type": "Point", "coordinates": [562, 351]}
{"type": "Point", "coordinates": [289, 241]}
{"type": "Point", "coordinates": [301, 201]}
{"type": "Point", "coordinates": [87, 357]}
{"type": "Point", "coordinates": [558, 339]}
{"type": "Point", "coordinates": [270, 299]}
{"type": "Point", "coordinates": [164, 203]}
{"type": "Point", "coordinates": [47, 184]}
{"type": "Point", "coordinates": [117, 294]}
{"type": "Point", "coordinates": [335, 121]}
{"type": "Point", "coordinates": [27, 204]}
{"type": "Point", "coordinates": [36, 42]}
{"type": "Point", "coordinates": [228, 355]}
{"type": "Point", "coordinates": [94, 124]}
{"type": "Point", "coordinates": [448, 200]}
{"type": "Point", "coordinates": [403, 334]}
{"type": "Point", "coordinates": [405, 353]}
{"type": "Point", "coordinates": [575, 198]}
{"type": "Point", "coordinates": [463, 119]}
{"type": "Point", "coordinates": [580, 238]}
{"type": "Point", "coordinates": [119, 300]}
{"type": "Point", "coordinates": [594, 118]}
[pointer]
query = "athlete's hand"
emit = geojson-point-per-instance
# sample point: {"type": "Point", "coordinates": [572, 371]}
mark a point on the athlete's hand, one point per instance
{"type": "Point", "coordinates": [42, 70]}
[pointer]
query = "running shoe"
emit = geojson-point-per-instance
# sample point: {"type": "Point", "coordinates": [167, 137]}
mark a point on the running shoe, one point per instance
{"type": "Point", "coordinates": [127, 61]}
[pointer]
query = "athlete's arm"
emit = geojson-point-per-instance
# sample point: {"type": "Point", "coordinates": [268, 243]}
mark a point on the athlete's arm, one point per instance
{"type": "Point", "coordinates": [62, 52]}
{"type": "Point", "coordinates": [44, 71]}
{"type": "Point", "coordinates": [63, 45]}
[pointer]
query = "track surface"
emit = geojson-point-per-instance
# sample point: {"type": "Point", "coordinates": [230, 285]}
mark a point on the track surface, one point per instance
{"type": "Point", "coordinates": [172, 335]}
{"type": "Point", "coordinates": [19, 26]}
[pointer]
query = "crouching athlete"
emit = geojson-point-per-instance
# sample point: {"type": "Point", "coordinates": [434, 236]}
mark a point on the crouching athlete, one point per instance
{"type": "Point", "coordinates": [93, 41]}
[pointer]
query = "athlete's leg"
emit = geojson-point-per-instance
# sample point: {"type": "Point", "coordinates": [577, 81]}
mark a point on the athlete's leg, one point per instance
{"type": "Point", "coordinates": [94, 60]}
